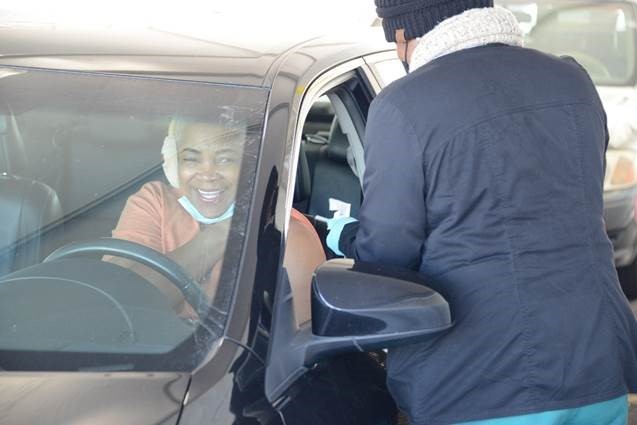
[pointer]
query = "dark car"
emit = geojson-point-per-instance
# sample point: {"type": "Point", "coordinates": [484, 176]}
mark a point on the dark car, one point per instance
{"type": "Point", "coordinates": [87, 340]}
{"type": "Point", "coordinates": [602, 37]}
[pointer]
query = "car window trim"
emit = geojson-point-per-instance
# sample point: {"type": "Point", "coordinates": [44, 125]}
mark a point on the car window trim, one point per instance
{"type": "Point", "coordinates": [321, 85]}
{"type": "Point", "coordinates": [370, 68]}
{"type": "Point", "coordinates": [351, 131]}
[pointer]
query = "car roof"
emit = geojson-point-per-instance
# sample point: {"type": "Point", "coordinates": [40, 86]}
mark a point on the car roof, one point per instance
{"type": "Point", "coordinates": [211, 53]}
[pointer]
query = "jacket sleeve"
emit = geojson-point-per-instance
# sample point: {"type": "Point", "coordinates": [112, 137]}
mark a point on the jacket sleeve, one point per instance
{"type": "Point", "coordinates": [392, 225]}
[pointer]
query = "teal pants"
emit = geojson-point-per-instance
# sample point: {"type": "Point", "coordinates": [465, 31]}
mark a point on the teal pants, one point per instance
{"type": "Point", "coordinates": [612, 412]}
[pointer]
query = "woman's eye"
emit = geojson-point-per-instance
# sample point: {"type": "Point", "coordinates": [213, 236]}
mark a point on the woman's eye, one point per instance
{"type": "Point", "coordinates": [189, 159]}
{"type": "Point", "coordinates": [226, 160]}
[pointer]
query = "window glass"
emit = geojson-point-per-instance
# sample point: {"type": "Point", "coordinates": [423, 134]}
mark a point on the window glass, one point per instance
{"type": "Point", "coordinates": [388, 70]}
{"type": "Point", "coordinates": [162, 168]}
{"type": "Point", "coordinates": [327, 182]}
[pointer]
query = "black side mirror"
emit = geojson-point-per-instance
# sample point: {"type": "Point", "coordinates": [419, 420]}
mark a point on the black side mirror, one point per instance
{"type": "Point", "coordinates": [355, 307]}
{"type": "Point", "coordinates": [359, 301]}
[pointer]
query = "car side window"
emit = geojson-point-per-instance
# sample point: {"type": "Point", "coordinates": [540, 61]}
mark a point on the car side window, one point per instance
{"type": "Point", "coordinates": [328, 181]}
{"type": "Point", "coordinates": [331, 164]}
{"type": "Point", "coordinates": [327, 177]}
{"type": "Point", "coordinates": [387, 71]}
{"type": "Point", "coordinates": [162, 166]}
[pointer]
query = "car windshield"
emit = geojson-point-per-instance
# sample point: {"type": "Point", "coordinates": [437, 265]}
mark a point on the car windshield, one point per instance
{"type": "Point", "coordinates": [124, 203]}
{"type": "Point", "coordinates": [601, 36]}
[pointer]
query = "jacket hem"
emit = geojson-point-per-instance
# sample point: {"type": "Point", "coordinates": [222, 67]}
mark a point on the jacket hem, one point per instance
{"type": "Point", "coordinates": [500, 413]}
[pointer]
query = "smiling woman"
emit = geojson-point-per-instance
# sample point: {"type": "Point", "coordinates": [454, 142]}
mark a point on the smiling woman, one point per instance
{"type": "Point", "coordinates": [188, 220]}
{"type": "Point", "coordinates": [204, 161]}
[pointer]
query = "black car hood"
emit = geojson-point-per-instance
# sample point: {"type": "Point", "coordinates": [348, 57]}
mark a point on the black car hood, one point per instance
{"type": "Point", "coordinates": [91, 398]}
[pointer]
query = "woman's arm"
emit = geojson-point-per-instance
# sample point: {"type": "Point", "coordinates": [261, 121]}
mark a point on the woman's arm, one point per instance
{"type": "Point", "coordinates": [141, 222]}
{"type": "Point", "coordinates": [197, 258]}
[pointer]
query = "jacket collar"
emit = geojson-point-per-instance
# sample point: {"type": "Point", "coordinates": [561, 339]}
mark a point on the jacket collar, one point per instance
{"type": "Point", "coordinates": [472, 28]}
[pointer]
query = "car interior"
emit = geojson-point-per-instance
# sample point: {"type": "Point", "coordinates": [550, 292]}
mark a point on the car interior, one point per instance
{"type": "Point", "coordinates": [53, 179]}
{"type": "Point", "coordinates": [326, 166]}
{"type": "Point", "coordinates": [325, 169]}
{"type": "Point", "coordinates": [82, 202]}
{"type": "Point", "coordinates": [26, 205]}
{"type": "Point", "coordinates": [327, 178]}
{"type": "Point", "coordinates": [52, 193]}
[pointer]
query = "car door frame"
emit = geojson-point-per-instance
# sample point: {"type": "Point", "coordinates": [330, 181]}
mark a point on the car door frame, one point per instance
{"type": "Point", "coordinates": [330, 80]}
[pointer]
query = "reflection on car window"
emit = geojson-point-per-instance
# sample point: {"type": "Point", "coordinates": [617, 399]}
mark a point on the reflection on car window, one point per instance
{"type": "Point", "coordinates": [156, 164]}
{"type": "Point", "coordinates": [388, 70]}
{"type": "Point", "coordinates": [600, 36]}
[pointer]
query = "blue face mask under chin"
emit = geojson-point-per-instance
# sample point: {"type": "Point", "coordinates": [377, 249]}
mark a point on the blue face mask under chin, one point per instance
{"type": "Point", "coordinates": [194, 212]}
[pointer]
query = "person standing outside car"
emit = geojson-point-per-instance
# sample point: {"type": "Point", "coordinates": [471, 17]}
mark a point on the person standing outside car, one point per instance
{"type": "Point", "coordinates": [484, 172]}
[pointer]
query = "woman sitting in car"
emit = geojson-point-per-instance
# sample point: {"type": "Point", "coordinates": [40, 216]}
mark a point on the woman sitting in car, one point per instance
{"type": "Point", "coordinates": [189, 219]}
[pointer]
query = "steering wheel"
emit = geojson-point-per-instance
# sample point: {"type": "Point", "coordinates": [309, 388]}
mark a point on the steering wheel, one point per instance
{"type": "Point", "coordinates": [190, 289]}
{"type": "Point", "coordinates": [593, 65]}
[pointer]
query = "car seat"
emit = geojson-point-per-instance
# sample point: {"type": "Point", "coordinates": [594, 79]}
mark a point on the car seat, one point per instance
{"type": "Point", "coordinates": [303, 186]}
{"type": "Point", "coordinates": [333, 176]}
{"type": "Point", "coordinates": [27, 207]}
{"type": "Point", "coordinates": [105, 160]}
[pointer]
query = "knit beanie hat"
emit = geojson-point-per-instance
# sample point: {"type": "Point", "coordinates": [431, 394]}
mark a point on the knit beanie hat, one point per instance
{"type": "Point", "coordinates": [417, 17]}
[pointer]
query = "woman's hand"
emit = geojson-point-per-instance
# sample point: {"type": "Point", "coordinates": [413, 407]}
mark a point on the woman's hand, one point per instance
{"type": "Point", "coordinates": [201, 258]}
{"type": "Point", "coordinates": [218, 230]}
{"type": "Point", "coordinates": [209, 287]}
{"type": "Point", "coordinates": [211, 242]}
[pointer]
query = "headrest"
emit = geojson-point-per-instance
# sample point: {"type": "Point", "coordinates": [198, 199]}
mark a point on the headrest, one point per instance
{"type": "Point", "coordinates": [27, 209]}
{"type": "Point", "coordinates": [338, 143]}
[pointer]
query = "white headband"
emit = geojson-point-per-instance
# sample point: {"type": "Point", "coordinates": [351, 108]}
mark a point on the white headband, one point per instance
{"type": "Point", "coordinates": [170, 160]}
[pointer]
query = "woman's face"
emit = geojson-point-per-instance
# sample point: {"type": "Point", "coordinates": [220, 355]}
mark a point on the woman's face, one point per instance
{"type": "Point", "coordinates": [209, 166]}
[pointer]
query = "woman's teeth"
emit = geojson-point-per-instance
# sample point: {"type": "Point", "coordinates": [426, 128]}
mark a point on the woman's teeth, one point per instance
{"type": "Point", "coordinates": [209, 196]}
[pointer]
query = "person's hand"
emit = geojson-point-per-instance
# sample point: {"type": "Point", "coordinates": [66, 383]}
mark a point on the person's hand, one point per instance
{"type": "Point", "coordinates": [335, 227]}
{"type": "Point", "coordinates": [214, 236]}
{"type": "Point", "coordinates": [208, 247]}
{"type": "Point", "coordinates": [209, 286]}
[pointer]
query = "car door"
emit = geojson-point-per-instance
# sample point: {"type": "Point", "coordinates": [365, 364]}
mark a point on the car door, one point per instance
{"type": "Point", "coordinates": [329, 369]}
{"type": "Point", "coordinates": [349, 388]}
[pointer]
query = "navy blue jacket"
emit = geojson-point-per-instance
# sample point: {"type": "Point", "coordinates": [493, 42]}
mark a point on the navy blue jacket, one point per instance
{"type": "Point", "coordinates": [484, 170]}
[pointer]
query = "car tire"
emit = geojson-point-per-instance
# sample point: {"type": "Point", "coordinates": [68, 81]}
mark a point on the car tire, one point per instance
{"type": "Point", "coordinates": [628, 279]}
